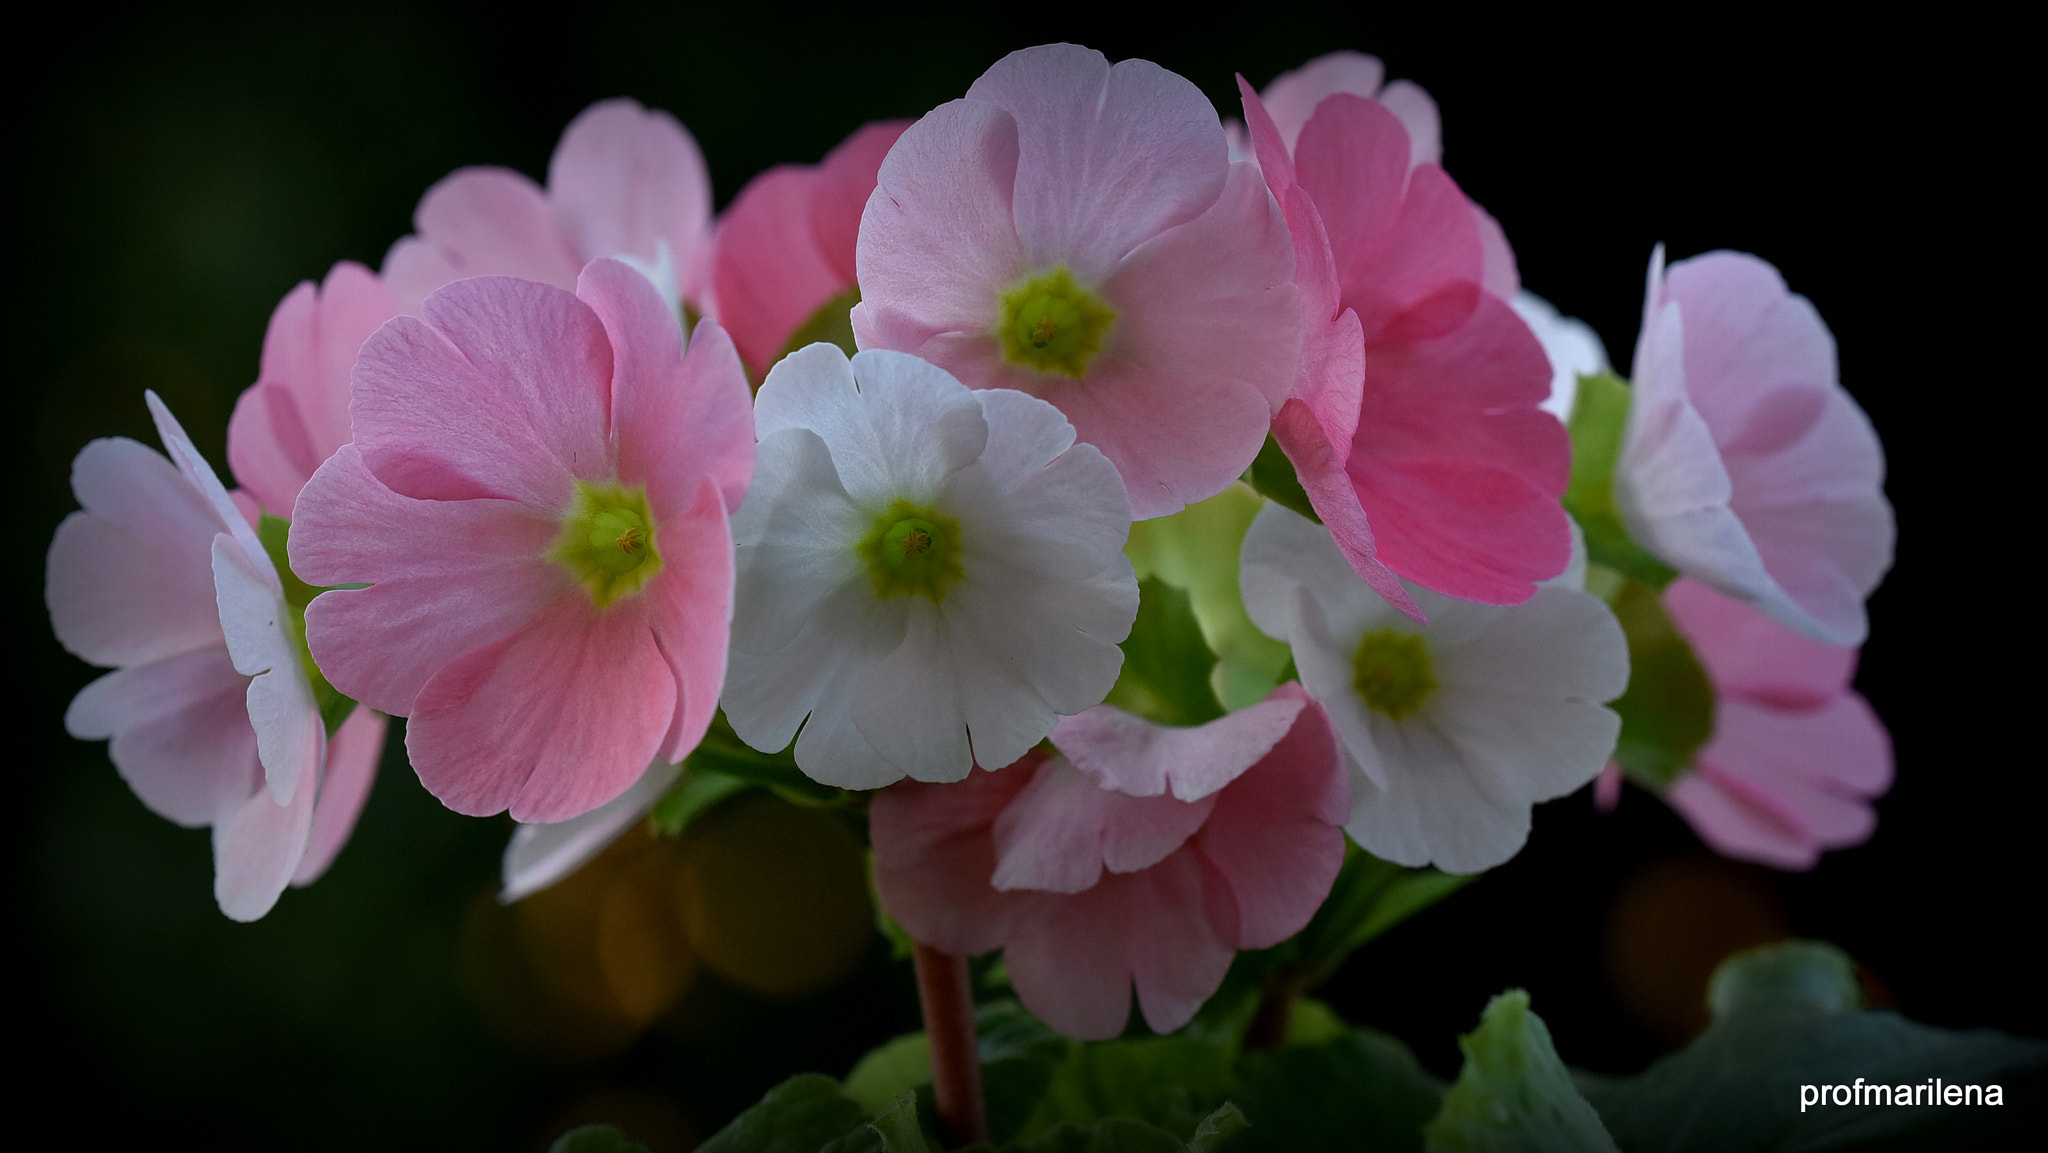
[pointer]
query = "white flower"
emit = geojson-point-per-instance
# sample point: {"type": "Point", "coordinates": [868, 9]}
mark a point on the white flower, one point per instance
{"type": "Point", "coordinates": [1452, 731]}
{"type": "Point", "coordinates": [932, 575]}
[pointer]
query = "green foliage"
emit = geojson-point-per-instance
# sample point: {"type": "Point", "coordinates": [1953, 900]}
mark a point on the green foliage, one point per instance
{"type": "Point", "coordinates": [1668, 711]}
{"type": "Point", "coordinates": [691, 797]}
{"type": "Point", "coordinates": [899, 1127]}
{"type": "Point", "coordinates": [1514, 1093]}
{"type": "Point", "coordinates": [722, 765]}
{"type": "Point", "coordinates": [1197, 549]}
{"type": "Point", "coordinates": [1273, 476]}
{"type": "Point", "coordinates": [1355, 1090]}
{"type": "Point", "coordinates": [1165, 677]}
{"type": "Point", "coordinates": [805, 1114]}
{"type": "Point", "coordinates": [1172, 1082]}
{"type": "Point", "coordinates": [596, 1138]}
{"type": "Point", "coordinates": [1598, 425]}
{"type": "Point", "coordinates": [1787, 1016]}
{"type": "Point", "coordinates": [831, 324]}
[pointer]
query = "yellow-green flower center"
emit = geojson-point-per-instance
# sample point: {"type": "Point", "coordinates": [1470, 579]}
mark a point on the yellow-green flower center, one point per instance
{"type": "Point", "coordinates": [1391, 672]}
{"type": "Point", "coordinates": [607, 541]}
{"type": "Point", "coordinates": [911, 551]}
{"type": "Point", "coordinates": [1050, 323]}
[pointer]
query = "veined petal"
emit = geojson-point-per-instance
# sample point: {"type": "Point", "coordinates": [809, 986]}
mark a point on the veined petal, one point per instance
{"type": "Point", "coordinates": [352, 756]}
{"type": "Point", "coordinates": [180, 733]}
{"type": "Point", "coordinates": [625, 180]}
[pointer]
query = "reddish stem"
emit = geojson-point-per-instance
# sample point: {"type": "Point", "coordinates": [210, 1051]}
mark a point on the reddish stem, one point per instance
{"type": "Point", "coordinates": [948, 1004]}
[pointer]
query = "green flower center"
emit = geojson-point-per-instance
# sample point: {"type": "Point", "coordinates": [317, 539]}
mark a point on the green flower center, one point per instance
{"type": "Point", "coordinates": [911, 551]}
{"type": "Point", "coordinates": [1052, 324]}
{"type": "Point", "coordinates": [607, 541]}
{"type": "Point", "coordinates": [1391, 672]}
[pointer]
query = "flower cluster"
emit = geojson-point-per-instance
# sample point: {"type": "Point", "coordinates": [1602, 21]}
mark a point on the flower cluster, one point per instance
{"type": "Point", "coordinates": [837, 495]}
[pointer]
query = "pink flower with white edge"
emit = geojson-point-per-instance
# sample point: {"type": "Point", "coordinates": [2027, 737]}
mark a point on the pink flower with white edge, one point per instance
{"type": "Point", "coordinates": [295, 416]}
{"type": "Point", "coordinates": [625, 182]}
{"type": "Point", "coordinates": [212, 718]}
{"type": "Point", "coordinates": [1136, 855]}
{"type": "Point", "coordinates": [1452, 732]}
{"type": "Point", "coordinates": [537, 497]}
{"type": "Point", "coordinates": [1076, 232]}
{"type": "Point", "coordinates": [1796, 756]}
{"type": "Point", "coordinates": [1416, 424]}
{"type": "Point", "coordinates": [1746, 465]}
{"type": "Point", "coordinates": [785, 247]}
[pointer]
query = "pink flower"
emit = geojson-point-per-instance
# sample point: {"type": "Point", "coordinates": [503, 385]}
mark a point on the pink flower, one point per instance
{"type": "Point", "coordinates": [785, 247]}
{"type": "Point", "coordinates": [1415, 424]}
{"type": "Point", "coordinates": [210, 712]}
{"type": "Point", "coordinates": [1796, 756]}
{"type": "Point", "coordinates": [625, 182]}
{"type": "Point", "coordinates": [295, 416]}
{"type": "Point", "coordinates": [1746, 465]}
{"type": "Point", "coordinates": [1076, 232]}
{"type": "Point", "coordinates": [1136, 855]}
{"type": "Point", "coordinates": [537, 497]}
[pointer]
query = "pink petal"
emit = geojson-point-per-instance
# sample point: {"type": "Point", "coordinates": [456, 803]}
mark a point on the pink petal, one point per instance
{"type": "Point", "coordinates": [1182, 943]}
{"type": "Point", "coordinates": [450, 577]}
{"type": "Point", "coordinates": [768, 274]}
{"type": "Point", "coordinates": [481, 222]}
{"type": "Point", "coordinates": [352, 756]}
{"type": "Point", "coordinates": [181, 734]}
{"type": "Point", "coordinates": [290, 739]}
{"type": "Point", "coordinates": [1135, 757]}
{"type": "Point", "coordinates": [1063, 830]}
{"type": "Point", "coordinates": [691, 608]}
{"type": "Point", "coordinates": [1070, 964]}
{"type": "Point", "coordinates": [625, 180]}
{"type": "Point", "coordinates": [256, 849]}
{"type": "Point", "coordinates": [934, 857]}
{"type": "Point", "coordinates": [846, 179]}
{"type": "Point", "coordinates": [1276, 837]}
{"type": "Point", "coordinates": [269, 447]}
{"type": "Point", "coordinates": [1292, 97]}
{"type": "Point", "coordinates": [552, 721]}
{"type": "Point", "coordinates": [1418, 115]}
{"type": "Point", "coordinates": [1322, 471]}
{"type": "Point", "coordinates": [504, 391]}
{"type": "Point", "coordinates": [1752, 657]}
{"type": "Point", "coordinates": [1108, 157]}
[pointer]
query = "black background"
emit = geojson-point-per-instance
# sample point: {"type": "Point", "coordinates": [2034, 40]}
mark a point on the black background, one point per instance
{"type": "Point", "coordinates": [176, 173]}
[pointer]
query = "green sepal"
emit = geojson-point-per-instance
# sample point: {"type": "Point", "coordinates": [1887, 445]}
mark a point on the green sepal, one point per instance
{"type": "Point", "coordinates": [274, 533]}
{"type": "Point", "coordinates": [1165, 677]}
{"type": "Point", "coordinates": [1514, 1093]}
{"type": "Point", "coordinates": [1274, 478]}
{"type": "Point", "coordinates": [693, 795]}
{"type": "Point", "coordinates": [1667, 714]}
{"type": "Point", "coordinates": [1598, 426]}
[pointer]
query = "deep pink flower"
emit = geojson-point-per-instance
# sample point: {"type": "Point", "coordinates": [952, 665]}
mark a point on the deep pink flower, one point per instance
{"type": "Point", "coordinates": [1137, 855]}
{"type": "Point", "coordinates": [625, 182]}
{"type": "Point", "coordinates": [1076, 232]}
{"type": "Point", "coordinates": [1797, 756]}
{"type": "Point", "coordinates": [1747, 466]}
{"type": "Point", "coordinates": [537, 497]}
{"type": "Point", "coordinates": [209, 710]}
{"type": "Point", "coordinates": [785, 246]}
{"type": "Point", "coordinates": [292, 419]}
{"type": "Point", "coordinates": [1415, 424]}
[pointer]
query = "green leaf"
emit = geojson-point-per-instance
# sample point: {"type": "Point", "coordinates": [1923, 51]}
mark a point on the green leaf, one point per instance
{"type": "Point", "coordinates": [1165, 677]}
{"type": "Point", "coordinates": [1217, 1128]}
{"type": "Point", "coordinates": [889, 1070]}
{"type": "Point", "coordinates": [1514, 1093]}
{"type": "Point", "coordinates": [1357, 1090]}
{"type": "Point", "coordinates": [1786, 1021]}
{"type": "Point", "coordinates": [1109, 1135]}
{"type": "Point", "coordinates": [1197, 549]}
{"type": "Point", "coordinates": [1598, 425]}
{"type": "Point", "coordinates": [1668, 711]}
{"type": "Point", "coordinates": [1171, 1082]}
{"type": "Point", "coordinates": [1018, 1057]}
{"type": "Point", "coordinates": [691, 797]}
{"type": "Point", "coordinates": [1273, 476]}
{"type": "Point", "coordinates": [805, 1114]}
{"type": "Point", "coordinates": [596, 1138]}
{"type": "Point", "coordinates": [899, 1128]}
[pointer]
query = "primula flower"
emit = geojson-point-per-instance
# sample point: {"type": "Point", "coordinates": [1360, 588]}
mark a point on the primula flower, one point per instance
{"type": "Point", "coordinates": [1454, 731]}
{"type": "Point", "coordinates": [932, 575]}
{"type": "Point", "coordinates": [1746, 465]}
{"type": "Point", "coordinates": [625, 182]}
{"type": "Point", "coordinates": [537, 497]}
{"type": "Point", "coordinates": [212, 717]}
{"type": "Point", "coordinates": [1076, 232]}
{"type": "Point", "coordinates": [785, 247]}
{"type": "Point", "coordinates": [1572, 347]}
{"type": "Point", "coordinates": [1415, 425]}
{"type": "Point", "coordinates": [1134, 855]}
{"type": "Point", "coordinates": [1796, 755]}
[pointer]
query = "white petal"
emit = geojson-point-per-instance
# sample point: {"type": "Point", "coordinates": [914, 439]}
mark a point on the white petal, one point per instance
{"type": "Point", "coordinates": [540, 855]}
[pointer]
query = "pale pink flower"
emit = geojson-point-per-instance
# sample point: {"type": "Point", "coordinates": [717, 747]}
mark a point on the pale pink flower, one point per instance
{"type": "Point", "coordinates": [212, 719]}
{"type": "Point", "coordinates": [1135, 855]}
{"type": "Point", "coordinates": [1076, 232]}
{"type": "Point", "coordinates": [1415, 424]}
{"type": "Point", "coordinates": [537, 496]}
{"type": "Point", "coordinates": [1796, 756]}
{"type": "Point", "coordinates": [626, 182]}
{"type": "Point", "coordinates": [292, 419]}
{"type": "Point", "coordinates": [785, 246]}
{"type": "Point", "coordinates": [1746, 465]}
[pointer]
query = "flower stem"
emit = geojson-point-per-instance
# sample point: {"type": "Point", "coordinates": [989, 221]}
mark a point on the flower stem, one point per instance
{"type": "Point", "coordinates": [948, 1005]}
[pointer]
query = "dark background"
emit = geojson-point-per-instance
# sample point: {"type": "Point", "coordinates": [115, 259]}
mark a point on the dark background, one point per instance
{"type": "Point", "coordinates": [176, 173]}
